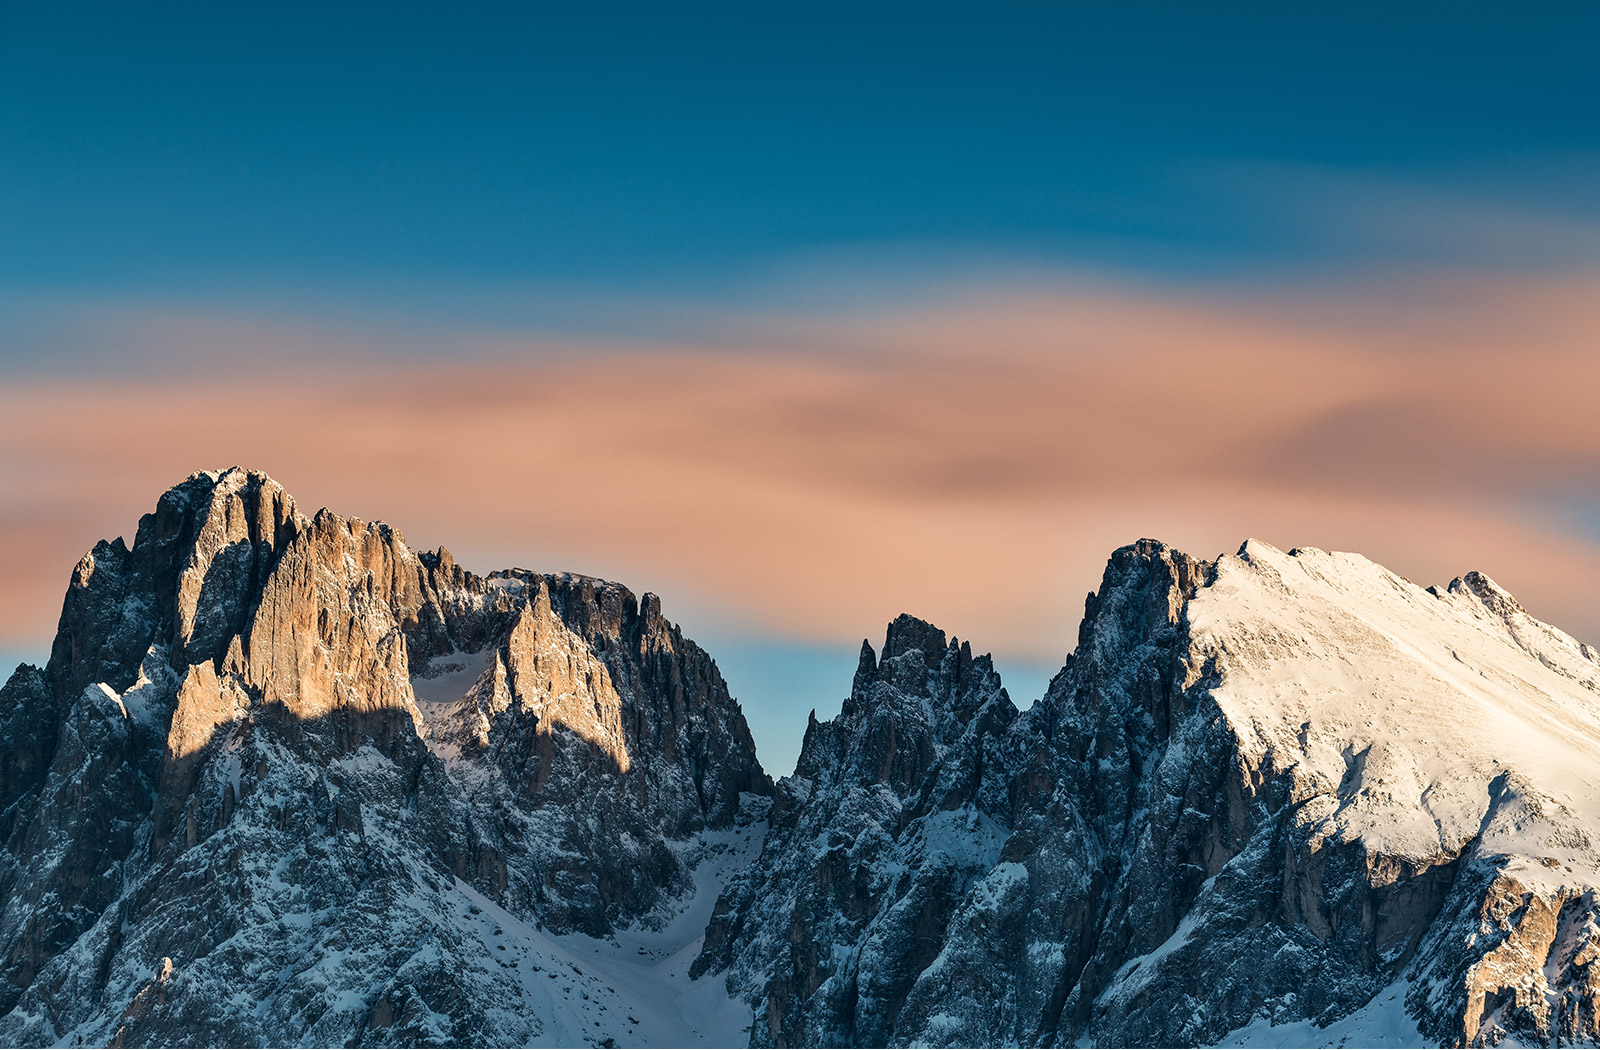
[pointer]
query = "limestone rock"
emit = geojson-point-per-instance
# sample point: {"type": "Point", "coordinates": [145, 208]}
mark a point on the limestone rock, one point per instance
{"type": "Point", "coordinates": [225, 776]}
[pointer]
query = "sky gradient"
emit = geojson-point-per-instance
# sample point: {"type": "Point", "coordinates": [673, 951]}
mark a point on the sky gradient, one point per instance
{"type": "Point", "coordinates": [806, 316]}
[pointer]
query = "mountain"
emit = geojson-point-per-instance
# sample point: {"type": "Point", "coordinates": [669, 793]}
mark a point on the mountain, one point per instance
{"type": "Point", "coordinates": [286, 781]}
{"type": "Point", "coordinates": [1276, 799]}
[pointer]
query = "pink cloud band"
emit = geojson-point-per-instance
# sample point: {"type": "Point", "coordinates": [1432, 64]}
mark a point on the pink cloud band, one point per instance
{"type": "Point", "coordinates": [973, 463]}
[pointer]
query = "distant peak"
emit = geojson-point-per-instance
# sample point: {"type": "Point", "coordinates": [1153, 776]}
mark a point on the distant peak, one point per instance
{"type": "Point", "coordinates": [1141, 549]}
{"type": "Point", "coordinates": [1494, 597]}
{"type": "Point", "coordinates": [868, 662]}
{"type": "Point", "coordinates": [1138, 557]}
{"type": "Point", "coordinates": [907, 633]}
{"type": "Point", "coordinates": [1252, 548]}
{"type": "Point", "coordinates": [237, 476]}
{"type": "Point", "coordinates": [229, 479]}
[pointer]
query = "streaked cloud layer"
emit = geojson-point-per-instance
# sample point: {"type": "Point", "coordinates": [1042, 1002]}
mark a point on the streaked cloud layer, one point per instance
{"type": "Point", "coordinates": [972, 462]}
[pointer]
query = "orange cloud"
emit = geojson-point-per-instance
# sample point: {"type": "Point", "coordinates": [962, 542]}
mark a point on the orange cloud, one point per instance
{"type": "Point", "coordinates": [972, 463]}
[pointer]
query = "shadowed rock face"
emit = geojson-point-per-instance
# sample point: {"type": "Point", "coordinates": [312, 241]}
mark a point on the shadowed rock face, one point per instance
{"type": "Point", "coordinates": [225, 765]}
{"type": "Point", "coordinates": [894, 809]}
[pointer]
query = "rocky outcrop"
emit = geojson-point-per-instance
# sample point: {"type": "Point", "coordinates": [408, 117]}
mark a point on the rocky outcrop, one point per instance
{"type": "Point", "coordinates": [895, 808]}
{"type": "Point", "coordinates": [225, 769]}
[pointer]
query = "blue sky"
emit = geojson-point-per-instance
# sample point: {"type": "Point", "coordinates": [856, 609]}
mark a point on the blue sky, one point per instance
{"type": "Point", "coordinates": [191, 149]}
{"type": "Point", "coordinates": [187, 188]}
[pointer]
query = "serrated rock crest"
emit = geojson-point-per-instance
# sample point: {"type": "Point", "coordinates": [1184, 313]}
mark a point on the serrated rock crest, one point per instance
{"type": "Point", "coordinates": [225, 767]}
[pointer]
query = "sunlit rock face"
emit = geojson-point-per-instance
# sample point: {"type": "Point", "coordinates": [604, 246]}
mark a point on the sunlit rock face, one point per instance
{"type": "Point", "coordinates": [1278, 789]}
{"type": "Point", "coordinates": [277, 762]}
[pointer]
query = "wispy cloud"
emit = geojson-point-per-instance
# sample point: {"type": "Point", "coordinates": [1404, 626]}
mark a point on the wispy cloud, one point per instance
{"type": "Point", "coordinates": [1538, 214]}
{"type": "Point", "coordinates": [972, 462]}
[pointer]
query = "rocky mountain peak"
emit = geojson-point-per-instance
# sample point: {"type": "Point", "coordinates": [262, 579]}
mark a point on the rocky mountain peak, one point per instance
{"type": "Point", "coordinates": [907, 634]}
{"type": "Point", "coordinates": [240, 526]}
{"type": "Point", "coordinates": [1486, 590]}
{"type": "Point", "coordinates": [186, 584]}
{"type": "Point", "coordinates": [253, 720]}
{"type": "Point", "coordinates": [868, 846]}
{"type": "Point", "coordinates": [866, 667]}
{"type": "Point", "coordinates": [906, 707]}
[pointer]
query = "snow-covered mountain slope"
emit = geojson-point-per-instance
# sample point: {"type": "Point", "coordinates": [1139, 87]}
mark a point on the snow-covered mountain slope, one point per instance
{"type": "Point", "coordinates": [1433, 734]}
{"type": "Point", "coordinates": [1416, 701]}
{"type": "Point", "coordinates": [1278, 797]}
{"type": "Point", "coordinates": [1417, 799]}
{"type": "Point", "coordinates": [231, 820]}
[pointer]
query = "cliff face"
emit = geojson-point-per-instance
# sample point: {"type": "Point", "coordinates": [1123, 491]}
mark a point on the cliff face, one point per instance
{"type": "Point", "coordinates": [289, 756]}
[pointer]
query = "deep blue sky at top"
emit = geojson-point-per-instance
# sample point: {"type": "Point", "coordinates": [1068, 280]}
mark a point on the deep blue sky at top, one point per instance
{"type": "Point", "coordinates": [181, 149]}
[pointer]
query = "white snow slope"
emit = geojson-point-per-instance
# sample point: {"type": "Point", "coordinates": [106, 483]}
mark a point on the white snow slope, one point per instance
{"type": "Point", "coordinates": [1415, 722]}
{"type": "Point", "coordinates": [1405, 704]}
{"type": "Point", "coordinates": [633, 989]}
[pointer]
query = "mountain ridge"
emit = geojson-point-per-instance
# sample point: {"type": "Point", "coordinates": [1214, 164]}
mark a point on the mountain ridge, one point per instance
{"type": "Point", "coordinates": [285, 780]}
